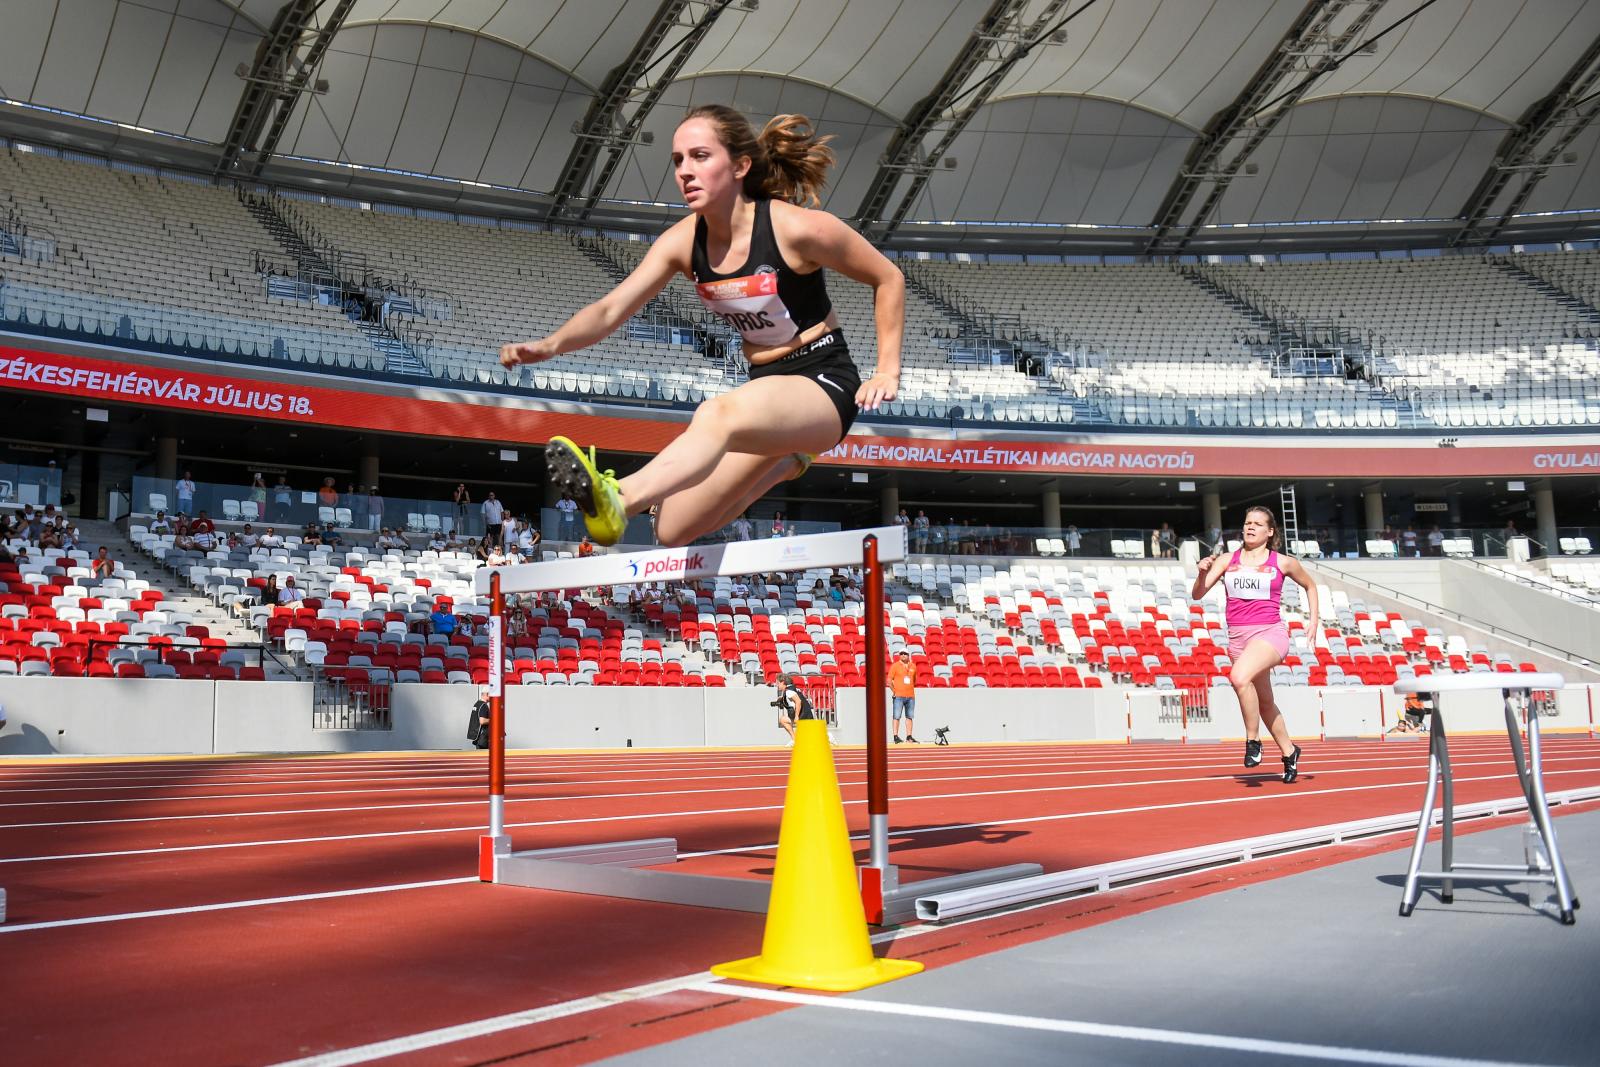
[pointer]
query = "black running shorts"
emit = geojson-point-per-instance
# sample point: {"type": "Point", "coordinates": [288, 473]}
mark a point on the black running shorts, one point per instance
{"type": "Point", "coordinates": [827, 362]}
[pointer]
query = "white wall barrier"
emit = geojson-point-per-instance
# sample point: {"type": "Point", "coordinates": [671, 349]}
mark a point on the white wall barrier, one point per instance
{"type": "Point", "coordinates": [102, 716]}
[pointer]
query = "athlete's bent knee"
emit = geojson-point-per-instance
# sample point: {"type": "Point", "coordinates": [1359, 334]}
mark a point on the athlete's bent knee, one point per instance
{"type": "Point", "coordinates": [1241, 679]}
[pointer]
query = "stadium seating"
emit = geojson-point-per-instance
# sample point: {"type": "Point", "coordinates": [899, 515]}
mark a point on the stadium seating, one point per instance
{"type": "Point", "coordinates": [125, 252]}
{"type": "Point", "coordinates": [58, 619]}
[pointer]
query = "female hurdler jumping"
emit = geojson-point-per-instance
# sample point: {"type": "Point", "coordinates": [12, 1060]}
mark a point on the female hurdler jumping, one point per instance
{"type": "Point", "coordinates": [757, 260]}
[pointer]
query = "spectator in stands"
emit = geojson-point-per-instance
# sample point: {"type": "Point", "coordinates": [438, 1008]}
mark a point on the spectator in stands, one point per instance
{"type": "Point", "coordinates": [585, 547]}
{"type": "Point", "coordinates": [568, 511]}
{"type": "Point", "coordinates": [462, 500]}
{"type": "Point", "coordinates": [1168, 540]}
{"type": "Point", "coordinates": [904, 519]}
{"type": "Point", "coordinates": [1408, 541]}
{"type": "Point", "coordinates": [311, 536]}
{"type": "Point", "coordinates": [529, 540]}
{"type": "Point", "coordinates": [391, 539]}
{"type": "Point", "coordinates": [779, 525]}
{"type": "Point", "coordinates": [289, 595]}
{"type": "Point", "coordinates": [742, 530]}
{"type": "Point", "coordinates": [374, 508]}
{"type": "Point", "coordinates": [282, 499]}
{"type": "Point", "coordinates": [258, 493]}
{"type": "Point", "coordinates": [437, 542]}
{"type": "Point", "coordinates": [159, 525]}
{"type": "Point", "coordinates": [270, 539]}
{"type": "Point", "coordinates": [269, 591]}
{"type": "Point", "coordinates": [330, 536]}
{"type": "Point", "coordinates": [1509, 532]}
{"type": "Point", "coordinates": [1074, 540]}
{"type": "Point", "coordinates": [247, 537]}
{"type": "Point", "coordinates": [203, 532]}
{"type": "Point", "coordinates": [493, 514]}
{"type": "Point", "coordinates": [496, 558]}
{"type": "Point", "coordinates": [442, 621]}
{"type": "Point", "coordinates": [743, 190]}
{"type": "Point", "coordinates": [49, 536]}
{"type": "Point", "coordinates": [903, 685]}
{"type": "Point", "coordinates": [852, 592]}
{"type": "Point", "coordinates": [185, 493]}
{"type": "Point", "coordinates": [919, 532]}
{"type": "Point", "coordinates": [508, 531]}
{"type": "Point", "coordinates": [1435, 540]}
{"type": "Point", "coordinates": [479, 550]}
{"type": "Point", "coordinates": [355, 502]}
{"type": "Point", "coordinates": [328, 495]}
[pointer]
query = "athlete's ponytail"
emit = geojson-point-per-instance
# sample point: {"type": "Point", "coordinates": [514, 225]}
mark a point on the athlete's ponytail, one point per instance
{"type": "Point", "coordinates": [797, 161]}
{"type": "Point", "coordinates": [787, 158]}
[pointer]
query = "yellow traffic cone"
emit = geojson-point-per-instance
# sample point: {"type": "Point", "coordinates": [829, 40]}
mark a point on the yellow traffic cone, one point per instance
{"type": "Point", "coordinates": [816, 934]}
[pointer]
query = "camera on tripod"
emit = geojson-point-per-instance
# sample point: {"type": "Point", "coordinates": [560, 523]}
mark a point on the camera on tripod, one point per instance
{"type": "Point", "coordinates": [941, 735]}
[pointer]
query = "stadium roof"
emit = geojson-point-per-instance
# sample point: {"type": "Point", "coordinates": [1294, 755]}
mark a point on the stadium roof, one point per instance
{"type": "Point", "coordinates": [1136, 125]}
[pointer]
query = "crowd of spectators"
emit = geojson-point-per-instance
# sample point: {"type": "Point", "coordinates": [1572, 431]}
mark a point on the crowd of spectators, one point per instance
{"type": "Point", "coordinates": [36, 528]}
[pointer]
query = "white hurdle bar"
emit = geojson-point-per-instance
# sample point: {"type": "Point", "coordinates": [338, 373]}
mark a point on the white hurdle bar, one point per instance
{"type": "Point", "coordinates": [735, 558]}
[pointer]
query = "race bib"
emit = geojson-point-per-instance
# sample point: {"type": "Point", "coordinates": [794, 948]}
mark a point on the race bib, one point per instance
{"type": "Point", "coordinates": [1249, 585]}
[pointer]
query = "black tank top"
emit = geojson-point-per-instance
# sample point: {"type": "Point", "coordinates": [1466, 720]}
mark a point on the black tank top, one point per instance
{"type": "Point", "coordinates": [765, 300]}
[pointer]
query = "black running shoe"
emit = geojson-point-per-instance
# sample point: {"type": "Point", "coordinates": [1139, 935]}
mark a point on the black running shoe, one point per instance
{"type": "Point", "coordinates": [1291, 765]}
{"type": "Point", "coordinates": [913, 740]}
{"type": "Point", "coordinates": [1252, 753]}
{"type": "Point", "coordinates": [897, 739]}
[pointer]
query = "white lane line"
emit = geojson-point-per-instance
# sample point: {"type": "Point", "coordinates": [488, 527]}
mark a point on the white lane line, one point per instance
{"type": "Point", "coordinates": [399, 1046]}
{"type": "Point", "coordinates": [580, 797]}
{"type": "Point", "coordinates": [644, 816]}
{"type": "Point", "coordinates": [1328, 766]}
{"type": "Point", "coordinates": [1144, 1034]}
{"type": "Point", "coordinates": [1109, 754]}
{"type": "Point", "coordinates": [194, 909]}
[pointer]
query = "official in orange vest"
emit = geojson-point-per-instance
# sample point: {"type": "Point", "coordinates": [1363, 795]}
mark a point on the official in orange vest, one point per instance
{"type": "Point", "coordinates": [903, 684]}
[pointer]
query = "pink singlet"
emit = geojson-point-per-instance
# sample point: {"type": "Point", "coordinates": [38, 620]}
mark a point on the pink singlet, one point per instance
{"type": "Point", "coordinates": [1254, 606]}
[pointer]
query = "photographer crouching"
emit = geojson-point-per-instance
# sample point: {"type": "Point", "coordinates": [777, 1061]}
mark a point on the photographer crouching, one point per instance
{"type": "Point", "coordinates": [792, 704]}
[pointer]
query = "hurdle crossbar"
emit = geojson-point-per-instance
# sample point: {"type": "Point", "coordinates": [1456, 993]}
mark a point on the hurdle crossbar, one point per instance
{"type": "Point", "coordinates": [729, 560]}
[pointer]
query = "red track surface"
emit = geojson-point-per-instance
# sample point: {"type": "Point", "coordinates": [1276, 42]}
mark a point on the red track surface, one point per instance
{"type": "Point", "coordinates": [267, 982]}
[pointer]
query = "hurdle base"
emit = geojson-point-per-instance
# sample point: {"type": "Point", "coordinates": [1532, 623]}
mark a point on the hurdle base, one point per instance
{"type": "Point", "coordinates": [614, 869]}
{"type": "Point", "coordinates": [611, 869]}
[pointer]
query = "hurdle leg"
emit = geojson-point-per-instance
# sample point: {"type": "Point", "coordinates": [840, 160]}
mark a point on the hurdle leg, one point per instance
{"type": "Point", "coordinates": [1408, 896]}
{"type": "Point", "coordinates": [1539, 809]}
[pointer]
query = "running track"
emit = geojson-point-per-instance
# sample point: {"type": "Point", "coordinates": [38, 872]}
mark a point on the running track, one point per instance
{"type": "Point", "coordinates": [258, 910]}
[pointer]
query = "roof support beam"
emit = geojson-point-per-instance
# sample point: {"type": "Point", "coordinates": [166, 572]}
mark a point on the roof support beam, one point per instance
{"type": "Point", "coordinates": [998, 42]}
{"type": "Point", "coordinates": [1529, 151]}
{"type": "Point", "coordinates": [610, 126]}
{"type": "Point", "coordinates": [277, 77]}
{"type": "Point", "coordinates": [1308, 49]}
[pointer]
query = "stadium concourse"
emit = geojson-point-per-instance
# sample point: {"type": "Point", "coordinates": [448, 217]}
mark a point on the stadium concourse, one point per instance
{"type": "Point", "coordinates": [1165, 263]}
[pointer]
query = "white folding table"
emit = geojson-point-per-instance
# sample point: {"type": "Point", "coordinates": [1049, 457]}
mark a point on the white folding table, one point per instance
{"type": "Point", "coordinates": [1548, 869]}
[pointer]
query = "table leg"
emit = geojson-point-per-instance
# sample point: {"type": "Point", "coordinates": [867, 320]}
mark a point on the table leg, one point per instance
{"type": "Point", "coordinates": [1408, 896]}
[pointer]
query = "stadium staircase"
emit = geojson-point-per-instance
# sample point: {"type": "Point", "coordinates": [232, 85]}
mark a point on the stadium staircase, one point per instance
{"type": "Point", "coordinates": [179, 595]}
{"type": "Point", "coordinates": [398, 356]}
{"type": "Point", "coordinates": [1548, 288]}
{"type": "Point", "coordinates": [664, 308]}
{"type": "Point", "coordinates": [1278, 325]}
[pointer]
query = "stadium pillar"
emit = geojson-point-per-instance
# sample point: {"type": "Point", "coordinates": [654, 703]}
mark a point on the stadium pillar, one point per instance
{"type": "Point", "coordinates": [1050, 508]}
{"type": "Point", "coordinates": [889, 504]}
{"type": "Point", "coordinates": [367, 471]}
{"type": "Point", "coordinates": [1211, 508]}
{"type": "Point", "coordinates": [1544, 513]}
{"type": "Point", "coordinates": [1372, 499]}
{"type": "Point", "coordinates": [166, 459]}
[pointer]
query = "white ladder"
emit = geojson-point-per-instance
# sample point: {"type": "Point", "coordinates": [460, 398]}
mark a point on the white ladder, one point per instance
{"type": "Point", "coordinates": [1288, 514]}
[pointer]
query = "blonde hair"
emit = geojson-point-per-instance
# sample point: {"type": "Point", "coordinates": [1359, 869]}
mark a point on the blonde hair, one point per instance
{"type": "Point", "coordinates": [788, 159]}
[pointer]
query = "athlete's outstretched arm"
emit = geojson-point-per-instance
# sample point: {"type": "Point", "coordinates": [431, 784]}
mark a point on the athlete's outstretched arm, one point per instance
{"type": "Point", "coordinates": [827, 241]}
{"type": "Point", "coordinates": [668, 255]}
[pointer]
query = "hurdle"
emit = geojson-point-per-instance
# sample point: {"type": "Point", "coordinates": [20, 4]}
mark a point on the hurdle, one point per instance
{"type": "Point", "coordinates": [614, 869]}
